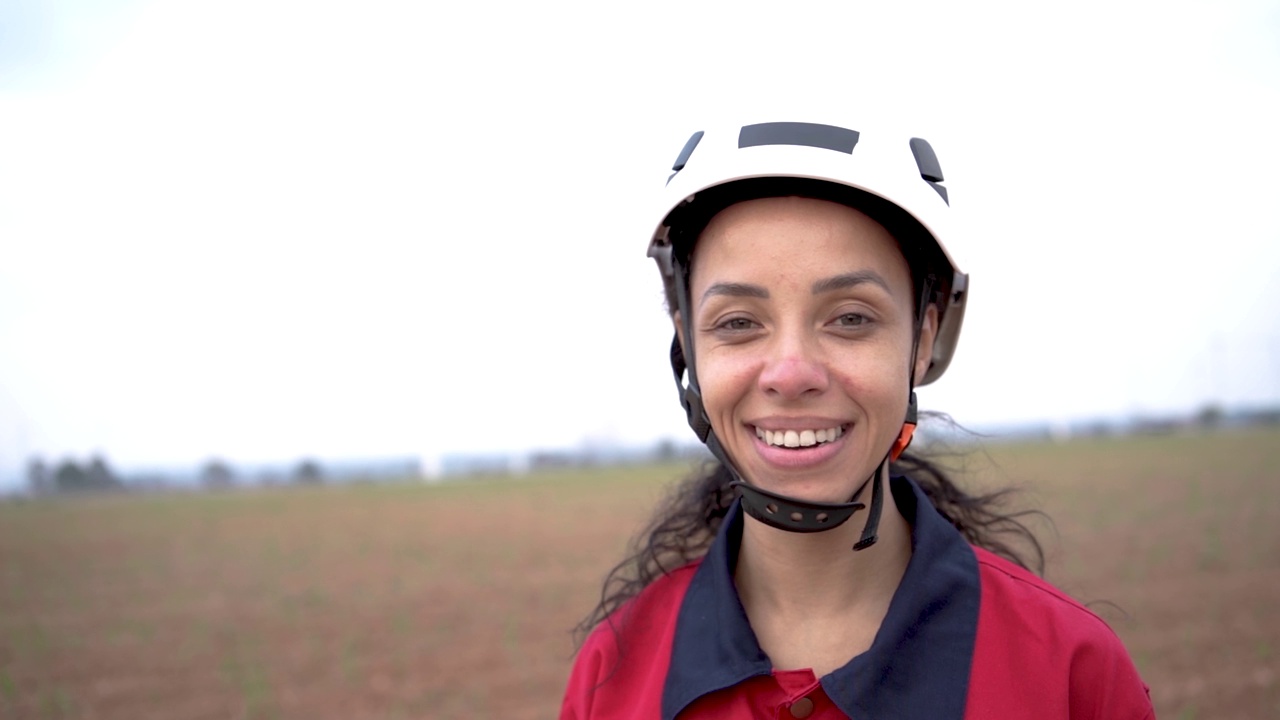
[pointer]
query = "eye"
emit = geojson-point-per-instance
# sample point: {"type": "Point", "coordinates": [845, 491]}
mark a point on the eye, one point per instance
{"type": "Point", "coordinates": [737, 324]}
{"type": "Point", "coordinates": [851, 320]}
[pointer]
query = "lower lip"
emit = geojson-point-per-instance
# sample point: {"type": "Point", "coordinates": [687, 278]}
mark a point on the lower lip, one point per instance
{"type": "Point", "coordinates": [793, 458]}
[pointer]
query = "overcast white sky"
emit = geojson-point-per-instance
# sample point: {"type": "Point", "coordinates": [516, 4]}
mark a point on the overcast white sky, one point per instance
{"type": "Point", "coordinates": [268, 229]}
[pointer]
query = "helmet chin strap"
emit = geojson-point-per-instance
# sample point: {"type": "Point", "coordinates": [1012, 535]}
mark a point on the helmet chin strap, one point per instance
{"type": "Point", "coordinates": [773, 509]}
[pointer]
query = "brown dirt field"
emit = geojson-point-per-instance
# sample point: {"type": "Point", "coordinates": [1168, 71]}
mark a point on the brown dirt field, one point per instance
{"type": "Point", "coordinates": [456, 600]}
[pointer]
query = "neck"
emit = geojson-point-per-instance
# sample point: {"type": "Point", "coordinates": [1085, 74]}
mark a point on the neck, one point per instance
{"type": "Point", "coordinates": [816, 580]}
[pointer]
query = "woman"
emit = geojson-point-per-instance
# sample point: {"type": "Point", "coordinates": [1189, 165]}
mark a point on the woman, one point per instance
{"type": "Point", "coordinates": [812, 285]}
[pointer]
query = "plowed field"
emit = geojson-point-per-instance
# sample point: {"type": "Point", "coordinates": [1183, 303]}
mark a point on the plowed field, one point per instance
{"type": "Point", "coordinates": [456, 600]}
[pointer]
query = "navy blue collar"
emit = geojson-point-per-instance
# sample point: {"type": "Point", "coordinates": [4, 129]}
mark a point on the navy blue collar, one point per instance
{"type": "Point", "coordinates": [918, 665]}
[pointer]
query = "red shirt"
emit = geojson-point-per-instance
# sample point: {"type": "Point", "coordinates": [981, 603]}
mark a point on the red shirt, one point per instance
{"type": "Point", "coordinates": [968, 635]}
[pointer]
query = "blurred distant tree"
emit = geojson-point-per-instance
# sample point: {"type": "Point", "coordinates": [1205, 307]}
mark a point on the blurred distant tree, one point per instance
{"type": "Point", "coordinates": [100, 476]}
{"type": "Point", "coordinates": [97, 475]}
{"type": "Point", "coordinates": [38, 478]}
{"type": "Point", "coordinates": [308, 472]}
{"type": "Point", "coordinates": [217, 475]}
{"type": "Point", "coordinates": [70, 477]}
{"type": "Point", "coordinates": [1210, 416]}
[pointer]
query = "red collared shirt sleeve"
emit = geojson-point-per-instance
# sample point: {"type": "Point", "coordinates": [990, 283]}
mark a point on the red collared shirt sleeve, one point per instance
{"type": "Point", "coordinates": [1041, 654]}
{"type": "Point", "coordinates": [622, 667]}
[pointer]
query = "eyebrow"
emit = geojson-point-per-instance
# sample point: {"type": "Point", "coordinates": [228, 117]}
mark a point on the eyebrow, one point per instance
{"type": "Point", "coordinates": [849, 280]}
{"type": "Point", "coordinates": [733, 289]}
{"type": "Point", "coordinates": [831, 284]}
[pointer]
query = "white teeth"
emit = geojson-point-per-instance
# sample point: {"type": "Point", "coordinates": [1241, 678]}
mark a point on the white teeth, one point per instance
{"type": "Point", "coordinates": [800, 438]}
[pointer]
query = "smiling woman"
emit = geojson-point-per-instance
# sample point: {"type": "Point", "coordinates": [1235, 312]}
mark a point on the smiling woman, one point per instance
{"type": "Point", "coordinates": [820, 344]}
{"type": "Point", "coordinates": [816, 570]}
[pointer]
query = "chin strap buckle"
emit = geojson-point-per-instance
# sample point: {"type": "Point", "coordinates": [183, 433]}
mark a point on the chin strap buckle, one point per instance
{"type": "Point", "coordinates": [904, 439]}
{"type": "Point", "coordinates": [908, 429]}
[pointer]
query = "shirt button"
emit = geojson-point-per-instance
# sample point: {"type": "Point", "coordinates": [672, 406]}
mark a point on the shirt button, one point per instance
{"type": "Point", "coordinates": [801, 708]}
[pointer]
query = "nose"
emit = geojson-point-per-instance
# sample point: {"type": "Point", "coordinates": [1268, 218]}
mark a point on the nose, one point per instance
{"type": "Point", "coordinates": [793, 369]}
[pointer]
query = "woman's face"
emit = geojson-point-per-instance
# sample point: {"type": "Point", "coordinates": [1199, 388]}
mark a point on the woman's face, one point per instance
{"type": "Point", "coordinates": [802, 331]}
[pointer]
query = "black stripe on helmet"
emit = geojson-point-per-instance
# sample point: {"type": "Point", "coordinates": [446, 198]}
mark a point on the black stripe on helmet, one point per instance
{"type": "Point", "coordinates": [683, 157]}
{"type": "Point", "coordinates": [827, 137]}
{"type": "Point", "coordinates": [687, 151]}
{"type": "Point", "coordinates": [930, 168]}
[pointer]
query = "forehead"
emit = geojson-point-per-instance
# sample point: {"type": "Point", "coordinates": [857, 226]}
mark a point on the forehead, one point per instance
{"type": "Point", "coordinates": [795, 237]}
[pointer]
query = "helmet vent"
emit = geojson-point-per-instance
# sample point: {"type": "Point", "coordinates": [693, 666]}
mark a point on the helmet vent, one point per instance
{"type": "Point", "coordinates": [827, 137]}
{"type": "Point", "coordinates": [930, 169]}
{"type": "Point", "coordinates": [926, 160]}
{"type": "Point", "coordinates": [689, 145]}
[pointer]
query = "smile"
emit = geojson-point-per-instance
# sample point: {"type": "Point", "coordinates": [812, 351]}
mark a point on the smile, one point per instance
{"type": "Point", "coordinates": [799, 438]}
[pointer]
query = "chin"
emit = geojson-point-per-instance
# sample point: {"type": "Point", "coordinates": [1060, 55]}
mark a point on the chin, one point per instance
{"type": "Point", "coordinates": [823, 490]}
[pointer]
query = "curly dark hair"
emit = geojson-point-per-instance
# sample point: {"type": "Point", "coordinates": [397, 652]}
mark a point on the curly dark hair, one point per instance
{"type": "Point", "coordinates": [686, 521]}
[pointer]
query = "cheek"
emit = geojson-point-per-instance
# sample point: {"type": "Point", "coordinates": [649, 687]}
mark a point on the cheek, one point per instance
{"type": "Point", "coordinates": [878, 382]}
{"type": "Point", "coordinates": [725, 380]}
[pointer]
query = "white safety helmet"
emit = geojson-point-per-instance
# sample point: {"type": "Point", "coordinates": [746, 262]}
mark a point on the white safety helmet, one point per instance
{"type": "Point", "coordinates": [894, 178]}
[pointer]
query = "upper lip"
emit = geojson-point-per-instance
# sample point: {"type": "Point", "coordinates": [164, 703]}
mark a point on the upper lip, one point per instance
{"type": "Point", "coordinates": [797, 423]}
